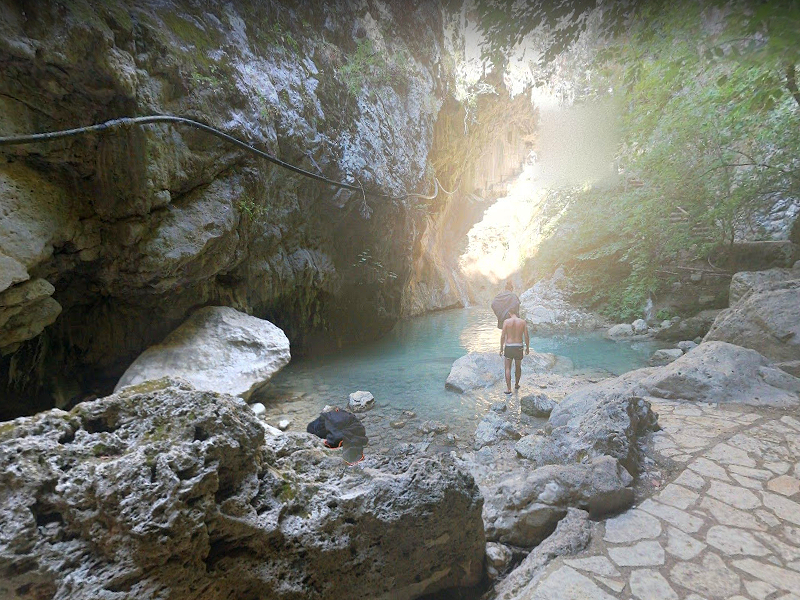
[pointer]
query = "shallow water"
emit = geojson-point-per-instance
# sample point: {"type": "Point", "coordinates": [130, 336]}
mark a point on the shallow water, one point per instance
{"type": "Point", "coordinates": [406, 370]}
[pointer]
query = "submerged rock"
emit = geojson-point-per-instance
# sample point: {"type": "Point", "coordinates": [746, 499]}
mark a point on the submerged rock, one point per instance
{"type": "Point", "coordinates": [523, 509]}
{"type": "Point", "coordinates": [217, 349]}
{"type": "Point", "coordinates": [177, 493]}
{"type": "Point", "coordinates": [590, 423]}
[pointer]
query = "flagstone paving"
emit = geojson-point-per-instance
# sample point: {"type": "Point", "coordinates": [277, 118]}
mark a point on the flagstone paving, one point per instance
{"type": "Point", "coordinates": [727, 525]}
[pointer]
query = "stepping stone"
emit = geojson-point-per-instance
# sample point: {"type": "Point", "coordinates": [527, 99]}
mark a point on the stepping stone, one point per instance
{"type": "Point", "coordinates": [599, 565]}
{"type": "Point", "coordinates": [567, 584]}
{"type": "Point", "coordinates": [728, 455]}
{"type": "Point", "coordinates": [759, 589]}
{"type": "Point", "coordinates": [614, 585]}
{"type": "Point", "coordinates": [786, 485]}
{"type": "Point", "coordinates": [691, 479]}
{"type": "Point", "coordinates": [753, 473]}
{"type": "Point", "coordinates": [779, 468]}
{"type": "Point", "coordinates": [682, 520]}
{"type": "Point", "coordinates": [647, 584]}
{"type": "Point", "coordinates": [783, 508]}
{"type": "Point", "coordinates": [709, 578]}
{"type": "Point", "coordinates": [643, 554]}
{"type": "Point", "coordinates": [753, 484]}
{"type": "Point", "coordinates": [709, 469]}
{"type": "Point", "coordinates": [683, 545]}
{"type": "Point", "coordinates": [732, 541]}
{"type": "Point", "coordinates": [733, 495]}
{"type": "Point", "coordinates": [782, 579]}
{"type": "Point", "coordinates": [729, 516]}
{"type": "Point", "coordinates": [677, 496]}
{"type": "Point", "coordinates": [632, 526]}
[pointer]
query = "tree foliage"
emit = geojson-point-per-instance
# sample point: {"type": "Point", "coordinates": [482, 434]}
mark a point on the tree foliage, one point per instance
{"type": "Point", "coordinates": [710, 123]}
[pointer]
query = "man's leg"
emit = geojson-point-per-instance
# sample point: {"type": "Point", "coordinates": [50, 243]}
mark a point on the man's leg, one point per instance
{"type": "Point", "coordinates": [518, 372]}
{"type": "Point", "coordinates": [508, 375]}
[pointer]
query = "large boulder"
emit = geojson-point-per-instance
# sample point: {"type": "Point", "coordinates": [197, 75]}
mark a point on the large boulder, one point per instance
{"type": "Point", "coordinates": [766, 319]}
{"type": "Point", "coordinates": [484, 369]}
{"type": "Point", "coordinates": [665, 356]}
{"type": "Point", "coordinates": [524, 508]}
{"type": "Point", "coordinates": [217, 349]}
{"type": "Point", "coordinates": [572, 535]}
{"type": "Point", "coordinates": [536, 405]}
{"type": "Point", "coordinates": [715, 372]}
{"type": "Point", "coordinates": [547, 309]}
{"type": "Point", "coordinates": [689, 328]}
{"type": "Point", "coordinates": [163, 491]}
{"type": "Point", "coordinates": [591, 423]}
{"type": "Point", "coordinates": [744, 282]}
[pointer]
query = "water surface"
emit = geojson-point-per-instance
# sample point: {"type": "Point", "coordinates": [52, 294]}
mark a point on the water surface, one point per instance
{"type": "Point", "coordinates": [406, 370]}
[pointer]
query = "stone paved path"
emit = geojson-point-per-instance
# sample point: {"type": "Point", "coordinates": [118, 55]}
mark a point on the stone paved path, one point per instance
{"type": "Point", "coordinates": [727, 526]}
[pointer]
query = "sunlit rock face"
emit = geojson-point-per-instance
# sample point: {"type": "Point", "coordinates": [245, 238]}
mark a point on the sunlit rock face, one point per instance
{"type": "Point", "coordinates": [163, 491]}
{"type": "Point", "coordinates": [134, 229]}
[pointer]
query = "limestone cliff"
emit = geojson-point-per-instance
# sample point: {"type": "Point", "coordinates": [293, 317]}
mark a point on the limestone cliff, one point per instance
{"type": "Point", "coordinates": [108, 241]}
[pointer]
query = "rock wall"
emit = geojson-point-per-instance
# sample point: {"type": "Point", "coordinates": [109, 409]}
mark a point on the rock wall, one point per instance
{"type": "Point", "coordinates": [108, 241]}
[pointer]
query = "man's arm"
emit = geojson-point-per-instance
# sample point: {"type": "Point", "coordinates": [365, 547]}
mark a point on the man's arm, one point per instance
{"type": "Point", "coordinates": [527, 339]}
{"type": "Point", "coordinates": [502, 339]}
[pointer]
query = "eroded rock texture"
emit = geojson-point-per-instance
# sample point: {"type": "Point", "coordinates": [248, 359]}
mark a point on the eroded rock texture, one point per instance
{"type": "Point", "coordinates": [125, 233]}
{"type": "Point", "coordinates": [163, 491]}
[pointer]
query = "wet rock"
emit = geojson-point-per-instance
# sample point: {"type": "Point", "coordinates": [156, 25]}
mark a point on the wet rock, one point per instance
{"type": "Point", "coordinates": [620, 331]}
{"type": "Point", "coordinates": [572, 534]}
{"type": "Point", "coordinates": [524, 508]}
{"type": "Point", "coordinates": [536, 405]}
{"type": "Point", "coordinates": [639, 326]}
{"type": "Point", "coordinates": [397, 424]}
{"type": "Point", "coordinates": [689, 328]}
{"type": "Point", "coordinates": [361, 401]}
{"type": "Point", "coordinates": [498, 559]}
{"type": "Point", "coordinates": [766, 320]}
{"type": "Point", "coordinates": [492, 429]}
{"type": "Point", "coordinates": [665, 356]}
{"type": "Point", "coordinates": [216, 349]}
{"type": "Point", "coordinates": [589, 423]}
{"type": "Point", "coordinates": [167, 490]}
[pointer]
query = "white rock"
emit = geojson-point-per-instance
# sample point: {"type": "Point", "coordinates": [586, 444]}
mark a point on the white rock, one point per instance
{"type": "Point", "coordinates": [284, 424]}
{"type": "Point", "coordinates": [620, 331]}
{"type": "Point", "coordinates": [639, 326]}
{"type": "Point", "coordinates": [643, 554]}
{"type": "Point", "coordinates": [647, 584]}
{"type": "Point", "coordinates": [258, 408]}
{"type": "Point", "coordinates": [217, 349]}
{"type": "Point", "coordinates": [631, 526]}
{"type": "Point", "coordinates": [361, 401]}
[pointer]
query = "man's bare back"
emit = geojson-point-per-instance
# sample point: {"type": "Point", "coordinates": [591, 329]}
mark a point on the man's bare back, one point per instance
{"type": "Point", "coordinates": [515, 333]}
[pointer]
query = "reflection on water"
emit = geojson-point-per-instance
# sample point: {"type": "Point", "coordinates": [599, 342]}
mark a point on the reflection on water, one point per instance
{"type": "Point", "coordinates": [406, 370]}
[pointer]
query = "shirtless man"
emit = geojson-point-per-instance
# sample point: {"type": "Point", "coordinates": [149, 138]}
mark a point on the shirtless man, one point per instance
{"type": "Point", "coordinates": [515, 331]}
